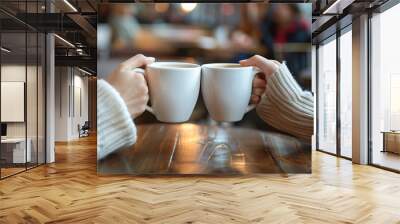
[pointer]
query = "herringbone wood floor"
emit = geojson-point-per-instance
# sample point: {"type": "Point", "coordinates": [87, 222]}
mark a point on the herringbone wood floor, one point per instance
{"type": "Point", "coordinates": [70, 191]}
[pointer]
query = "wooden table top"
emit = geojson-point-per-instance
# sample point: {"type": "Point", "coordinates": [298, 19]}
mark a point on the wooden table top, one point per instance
{"type": "Point", "coordinates": [193, 149]}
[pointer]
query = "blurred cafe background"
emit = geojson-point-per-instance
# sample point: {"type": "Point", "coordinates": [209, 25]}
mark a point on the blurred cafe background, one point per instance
{"type": "Point", "coordinates": [205, 33]}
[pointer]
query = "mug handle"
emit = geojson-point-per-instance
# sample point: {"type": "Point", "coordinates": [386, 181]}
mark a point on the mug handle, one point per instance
{"type": "Point", "coordinates": [142, 71]}
{"type": "Point", "coordinates": [252, 106]}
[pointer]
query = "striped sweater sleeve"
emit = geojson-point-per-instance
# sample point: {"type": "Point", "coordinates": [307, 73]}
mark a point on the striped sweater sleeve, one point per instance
{"type": "Point", "coordinates": [285, 106]}
{"type": "Point", "coordinates": [115, 127]}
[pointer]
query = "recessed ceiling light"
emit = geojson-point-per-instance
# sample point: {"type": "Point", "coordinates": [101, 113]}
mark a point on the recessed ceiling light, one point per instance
{"type": "Point", "coordinates": [65, 41]}
{"type": "Point", "coordinates": [84, 71]}
{"type": "Point", "coordinates": [337, 7]}
{"type": "Point", "coordinates": [188, 7]}
{"type": "Point", "coordinates": [70, 5]}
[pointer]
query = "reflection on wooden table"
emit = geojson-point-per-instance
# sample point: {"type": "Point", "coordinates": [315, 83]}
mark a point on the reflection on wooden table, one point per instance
{"type": "Point", "coordinates": [196, 149]}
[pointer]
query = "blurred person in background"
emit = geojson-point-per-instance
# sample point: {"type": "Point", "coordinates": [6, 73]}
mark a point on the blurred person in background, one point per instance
{"type": "Point", "coordinates": [280, 25]}
{"type": "Point", "coordinates": [286, 25]}
{"type": "Point", "coordinates": [127, 32]}
{"type": "Point", "coordinates": [123, 24]}
{"type": "Point", "coordinates": [280, 101]}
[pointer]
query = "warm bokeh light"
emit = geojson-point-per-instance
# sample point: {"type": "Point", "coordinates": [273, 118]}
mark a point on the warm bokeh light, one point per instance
{"type": "Point", "coordinates": [161, 7]}
{"type": "Point", "coordinates": [188, 7]}
{"type": "Point", "coordinates": [227, 9]}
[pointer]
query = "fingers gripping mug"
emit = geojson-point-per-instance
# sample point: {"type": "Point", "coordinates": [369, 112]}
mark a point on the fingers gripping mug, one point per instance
{"type": "Point", "coordinates": [226, 90]}
{"type": "Point", "coordinates": [174, 88]}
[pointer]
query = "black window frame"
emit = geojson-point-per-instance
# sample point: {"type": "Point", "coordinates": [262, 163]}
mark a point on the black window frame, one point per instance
{"type": "Point", "coordinates": [342, 26]}
{"type": "Point", "coordinates": [380, 9]}
{"type": "Point", "coordinates": [30, 29]}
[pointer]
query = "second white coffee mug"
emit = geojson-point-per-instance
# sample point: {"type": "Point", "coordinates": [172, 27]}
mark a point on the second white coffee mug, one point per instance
{"type": "Point", "coordinates": [174, 88]}
{"type": "Point", "coordinates": [226, 90]}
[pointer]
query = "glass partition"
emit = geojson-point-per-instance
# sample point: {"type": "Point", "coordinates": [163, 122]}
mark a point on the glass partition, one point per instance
{"type": "Point", "coordinates": [41, 96]}
{"type": "Point", "coordinates": [22, 91]}
{"type": "Point", "coordinates": [41, 88]}
{"type": "Point", "coordinates": [346, 94]}
{"type": "Point", "coordinates": [385, 89]}
{"type": "Point", "coordinates": [327, 96]}
{"type": "Point", "coordinates": [31, 99]}
{"type": "Point", "coordinates": [14, 153]}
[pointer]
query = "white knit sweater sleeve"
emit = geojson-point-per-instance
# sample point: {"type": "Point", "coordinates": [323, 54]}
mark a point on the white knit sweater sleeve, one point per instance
{"type": "Point", "coordinates": [285, 106]}
{"type": "Point", "coordinates": [115, 127]}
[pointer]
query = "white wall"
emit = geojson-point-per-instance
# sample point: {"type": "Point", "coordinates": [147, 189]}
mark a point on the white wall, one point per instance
{"type": "Point", "coordinates": [62, 82]}
{"type": "Point", "coordinates": [12, 73]}
{"type": "Point", "coordinates": [33, 127]}
{"type": "Point", "coordinates": [81, 82]}
{"type": "Point", "coordinates": [71, 96]}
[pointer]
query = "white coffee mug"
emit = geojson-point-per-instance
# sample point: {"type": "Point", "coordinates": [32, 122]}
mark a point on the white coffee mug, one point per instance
{"type": "Point", "coordinates": [174, 89]}
{"type": "Point", "coordinates": [226, 89]}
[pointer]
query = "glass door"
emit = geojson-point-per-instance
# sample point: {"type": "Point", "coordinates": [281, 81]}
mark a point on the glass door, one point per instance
{"type": "Point", "coordinates": [22, 77]}
{"type": "Point", "coordinates": [346, 93]}
{"type": "Point", "coordinates": [385, 89]}
{"type": "Point", "coordinates": [327, 96]}
{"type": "Point", "coordinates": [41, 96]}
{"type": "Point", "coordinates": [32, 98]}
{"type": "Point", "coordinates": [14, 153]}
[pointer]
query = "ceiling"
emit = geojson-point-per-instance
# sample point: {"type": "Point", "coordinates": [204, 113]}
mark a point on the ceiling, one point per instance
{"type": "Point", "coordinates": [330, 15]}
{"type": "Point", "coordinates": [76, 21]}
{"type": "Point", "coordinates": [73, 20]}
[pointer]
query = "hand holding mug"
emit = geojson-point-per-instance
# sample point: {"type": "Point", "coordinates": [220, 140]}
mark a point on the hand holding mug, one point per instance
{"type": "Point", "coordinates": [174, 89]}
{"type": "Point", "coordinates": [131, 85]}
{"type": "Point", "coordinates": [267, 67]}
{"type": "Point", "coordinates": [226, 89]}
